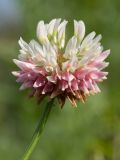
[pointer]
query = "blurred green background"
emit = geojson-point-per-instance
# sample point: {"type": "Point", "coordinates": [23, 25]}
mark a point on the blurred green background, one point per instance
{"type": "Point", "coordinates": [89, 132]}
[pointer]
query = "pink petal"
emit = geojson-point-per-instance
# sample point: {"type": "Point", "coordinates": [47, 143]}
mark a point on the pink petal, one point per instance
{"type": "Point", "coordinates": [97, 90]}
{"type": "Point", "coordinates": [67, 76]}
{"type": "Point", "coordinates": [55, 92]}
{"type": "Point", "coordinates": [97, 75]}
{"type": "Point", "coordinates": [80, 74]}
{"type": "Point", "coordinates": [83, 87]}
{"type": "Point", "coordinates": [103, 56]}
{"type": "Point", "coordinates": [40, 70]}
{"type": "Point", "coordinates": [25, 85]}
{"type": "Point", "coordinates": [74, 85]}
{"type": "Point", "coordinates": [63, 85]}
{"type": "Point", "coordinates": [99, 65]}
{"type": "Point", "coordinates": [39, 82]}
{"type": "Point", "coordinates": [48, 88]}
{"type": "Point", "coordinates": [23, 65]}
{"type": "Point", "coordinates": [52, 78]}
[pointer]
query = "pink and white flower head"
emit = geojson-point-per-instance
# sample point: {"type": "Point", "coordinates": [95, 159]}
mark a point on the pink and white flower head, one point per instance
{"type": "Point", "coordinates": [51, 68]}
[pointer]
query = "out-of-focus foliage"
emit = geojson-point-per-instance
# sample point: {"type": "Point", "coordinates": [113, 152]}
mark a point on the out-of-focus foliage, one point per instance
{"type": "Point", "coordinates": [89, 132]}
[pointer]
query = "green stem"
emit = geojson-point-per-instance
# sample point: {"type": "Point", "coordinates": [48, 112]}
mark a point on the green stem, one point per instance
{"type": "Point", "coordinates": [38, 131]}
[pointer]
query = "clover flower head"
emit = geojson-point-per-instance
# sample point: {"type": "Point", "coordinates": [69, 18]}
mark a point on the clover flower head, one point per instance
{"type": "Point", "coordinates": [55, 69]}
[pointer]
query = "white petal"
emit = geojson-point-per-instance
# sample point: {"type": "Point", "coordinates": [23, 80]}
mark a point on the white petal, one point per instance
{"type": "Point", "coordinates": [23, 44]}
{"type": "Point", "coordinates": [51, 57]}
{"type": "Point", "coordinates": [71, 48]}
{"type": "Point", "coordinates": [79, 30]}
{"type": "Point", "coordinates": [97, 39]}
{"type": "Point", "coordinates": [42, 32]}
{"type": "Point", "coordinates": [15, 73]}
{"type": "Point", "coordinates": [37, 49]}
{"type": "Point", "coordinates": [51, 26]}
{"type": "Point", "coordinates": [22, 51]}
{"type": "Point", "coordinates": [26, 51]}
{"type": "Point", "coordinates": [88, 40]}
{"type": "Point", "coordinates": [61, 34]}
{"type": "Point", "coordinates": [57, 23]}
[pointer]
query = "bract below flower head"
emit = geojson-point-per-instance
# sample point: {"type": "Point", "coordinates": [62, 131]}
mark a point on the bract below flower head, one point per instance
{"type": "Point", "coordinates": [51, 68]}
